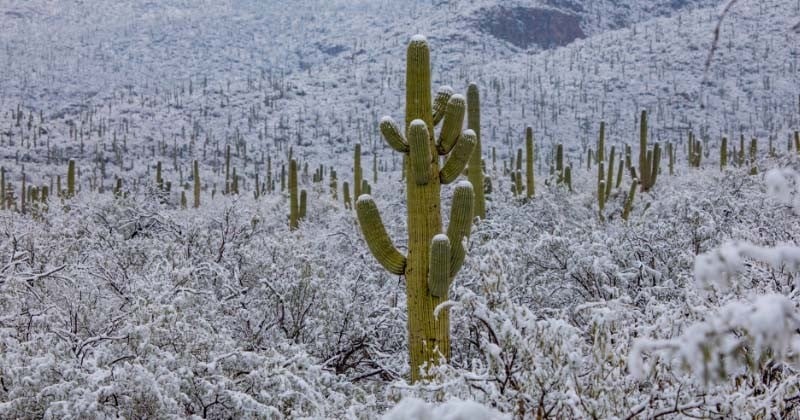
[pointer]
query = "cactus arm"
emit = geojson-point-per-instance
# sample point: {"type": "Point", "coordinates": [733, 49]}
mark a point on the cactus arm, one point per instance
{"type": "Point", "coordinates": [610, 177]}
{"type": "Point", "coordinates": [439, 271]}
{"type": "Point", "coordinates": [420, 152]}
{"type": "Point", "coordinates": [626, 212]}
{"type": "Point", "coordinates": [418, 83]}
{"type": "Point", "coordinates": [453, 121]}
{"type": "Point", "coordinates": [377, 239]}
{"type": "Point", "coordinates": [458, 159]}
{"type": "Point", "coordinates": [460, 224]}
{"type": "Point", "coordinates": [653, 175]}
{"type": "Point", "coordinates": [475, 172]}
{"type": "Point", "coordinates": [391, 133]}
{"type": "Point", "coordinates": [440, 103]}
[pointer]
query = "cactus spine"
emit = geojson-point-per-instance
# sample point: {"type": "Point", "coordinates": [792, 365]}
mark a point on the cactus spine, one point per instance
{"type": "Point", "coordinates": [475, 169]}
{"type": "Point", "coordinates": [427, 281]}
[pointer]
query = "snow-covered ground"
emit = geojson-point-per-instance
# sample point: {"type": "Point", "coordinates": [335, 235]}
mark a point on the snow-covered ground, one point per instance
{"type": "Point", "coordinates": [134, 307]}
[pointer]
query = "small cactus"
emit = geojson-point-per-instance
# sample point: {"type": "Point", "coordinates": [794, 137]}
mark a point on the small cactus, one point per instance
{"type": "Point", "coordinates": [723, 154]}
{"type": "Point", "coordinates": [71, 179]}
{"type": "Point", "coordinates": [294, 205]}
{"type": "Point", "coordinates": [626, 212]}
{"type": "Point", "coordinates": [196, 180]}
{"type": "Point", "coordinates": [529, 176]}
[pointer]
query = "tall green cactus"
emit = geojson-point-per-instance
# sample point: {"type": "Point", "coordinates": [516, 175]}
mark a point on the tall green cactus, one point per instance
{"type": "Point", "coordinates": [348, 203]}
{"type": "Point", "coordinates": [644, 164]}
{"type": "Point", "coordinates": [797, 141]}
{"type": "Point", "coordinates": [227, 169]}
{"type": "Point", "coordinates": [432, 260]}
{"type": "Point", "coordinates": [2, 188]}
{"type": "Point", "coordinates": [529, 176]}
{"type": "Point", "coordinates": [357, 170]}
{"type": "Point", "coordinates": [71, 179]}
{"type": "Point", "coordinates": [560, 163]}
{"type": "Point", "coordinates": [302, 209]}
{"type": "Point", "coordinates": [601, 188]}
{"type": "Point", "coordinates": [196, 181]}
{"type": "Point", "coordinates": [671, 156]}
{"type": "Point", "coordinates": [294, 210]}
{"type": "Point", "coordinates": [601, 146]}
{"type": "Point", "coordinates": [723, 154]}
{"type": "Point", "coordinates": [159, 179]}
{"type": "Point", "coordinates": [475, 169]}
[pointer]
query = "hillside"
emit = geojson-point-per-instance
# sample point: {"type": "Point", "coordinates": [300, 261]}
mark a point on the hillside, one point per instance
{"type": "Point", "coordinates": [185, 277]}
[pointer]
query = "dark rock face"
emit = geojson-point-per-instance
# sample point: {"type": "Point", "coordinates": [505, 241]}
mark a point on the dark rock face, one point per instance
{"type": "Point", "coordinates": [525, 27]}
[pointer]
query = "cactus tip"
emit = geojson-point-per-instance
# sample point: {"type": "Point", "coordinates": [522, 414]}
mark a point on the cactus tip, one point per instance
{"type": "Point", "coordinates": [418, 123]}
{"type": "Point", "coordinates": [419, 38]}
{"type": "Point", "coordinates": [445, 89]}
{"type": "Point", "coordinates": [364, 198]}
{"type": "Point", "coordinates": [441, 238]}
{"type": "Point", "coordinates": [464, 184]}
{"type": "Point", "coordinates": [457, 97]}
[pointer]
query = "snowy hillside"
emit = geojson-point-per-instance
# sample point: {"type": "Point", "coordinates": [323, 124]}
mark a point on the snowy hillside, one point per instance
{"type": "Point", "coordinates": [164, 277]}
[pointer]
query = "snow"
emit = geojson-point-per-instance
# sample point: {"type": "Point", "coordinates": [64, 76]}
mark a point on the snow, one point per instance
{"type": "Point", "coordinates": [416, 409]}
{"type": "Point", "coordinates": [133, 307]}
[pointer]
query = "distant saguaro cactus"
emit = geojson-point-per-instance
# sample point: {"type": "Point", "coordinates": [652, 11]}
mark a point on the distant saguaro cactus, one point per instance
{"type": "Point", "coordinates": [71, 179]}
{"type": "Point", "coordinates": [433, 258]}
{"type": "Point", "coordinates": [196, 179]}
{"type": "Point", "coordinates": [529, 176]}
{"type": "Point", "coordinates": [294, 199]}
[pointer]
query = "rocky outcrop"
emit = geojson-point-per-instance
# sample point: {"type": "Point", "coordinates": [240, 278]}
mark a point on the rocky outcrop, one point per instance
{"type": "Point", "coordinates": [527, 27]}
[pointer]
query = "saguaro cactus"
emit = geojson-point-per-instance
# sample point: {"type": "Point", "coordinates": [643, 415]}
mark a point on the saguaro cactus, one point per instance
{"type": "Point", "coordinates": [294, 210]}
{"type": "Point", "coordinates": [475, 169]}
{"type": "Point", "coordinates": [357, 170]}
{"type": "Point", "coordinates": [529, 177]}
{"type": "Point", "coordinates": [71, 179]}
{"type": "Point", "coordinates": [433, 258]}
{"type": "Point", "coordinates": [723, 154]}
{"type": "Point", "coordinates": [196, 180]}
{"type": "Point", "coordinates": [644, 164]}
